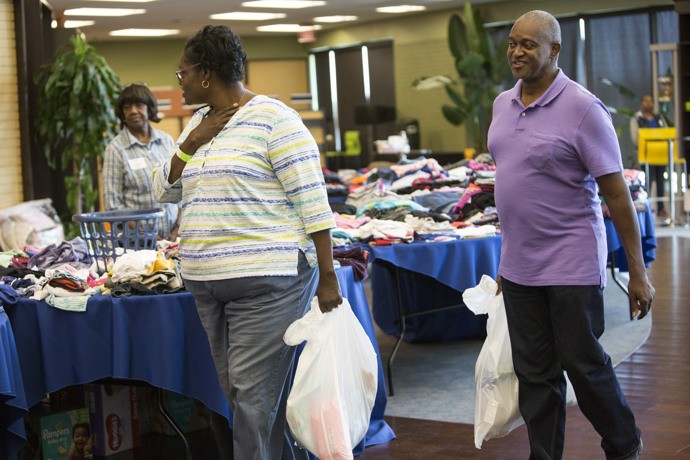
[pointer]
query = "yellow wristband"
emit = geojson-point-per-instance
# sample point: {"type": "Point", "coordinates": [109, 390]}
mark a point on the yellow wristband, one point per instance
{"type": "Point", "coordinates": [182, 156]}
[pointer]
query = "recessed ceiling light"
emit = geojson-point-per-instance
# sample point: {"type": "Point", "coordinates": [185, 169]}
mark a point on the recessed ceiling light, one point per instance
{"type": "Point", "coordinates": [71, 24]}
{"type": "Point", "coordinates": [242, 16]}
{"type": "Point", "coordinates": [143, 32]}
{"type": "Point", "coordinates": [278, 4]}
{"type": "Point", "coordinates": [400, 9]}
{"type": "Point", "coordinates": [335, 18]}
{"type": "Point", "coordinates": [102, 12]}
{"type": "Point", "coordinates": [287, 28]}
{"type": "Point", "coordinates": [124, 1]}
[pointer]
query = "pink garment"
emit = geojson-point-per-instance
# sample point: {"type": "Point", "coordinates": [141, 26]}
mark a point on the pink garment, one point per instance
{"type": "Point", "coordinates": [431, 163]}
{"type": "Point", "coordinates": [469, 192]}
{"type": "Point", "coordinates": [349, 222]}
{"type": "Point", "coordinates": [476, 166]}
{"type": "Point", "coordinates": [631, 175]}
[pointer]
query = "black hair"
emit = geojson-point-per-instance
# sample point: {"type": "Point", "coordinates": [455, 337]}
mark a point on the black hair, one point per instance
{"type": "Point", "coordinates": [219, 49]}
{"type": "Point", "coordinates": [137, 93]}
{"type": "Point", "coordinates": [84, 425]}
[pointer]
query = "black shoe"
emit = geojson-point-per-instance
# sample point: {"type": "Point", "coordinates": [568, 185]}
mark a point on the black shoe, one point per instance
{"type": "Point", "coordinates": [636, 454]}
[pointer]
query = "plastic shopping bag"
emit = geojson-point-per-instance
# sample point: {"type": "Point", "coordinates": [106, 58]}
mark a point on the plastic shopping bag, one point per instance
{"type": "Point", "coordinates": [330, 404]}
{"type": "Point", "coordinates": [496, 411]}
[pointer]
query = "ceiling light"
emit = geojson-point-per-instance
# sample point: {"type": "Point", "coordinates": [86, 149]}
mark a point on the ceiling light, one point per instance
{"type": "Point", "coordinates": [286, 28]}
{"type": "Point", "coordinates": [278, 4]}
{"type": "Point", "coordinates": [400, 9]}
{"type": "Point", "coordinates": [102, 12]}
{"type": "Point", "coordinates": [124, 1]}
{"type": "Point", "coordinates": [70, 24]}
{"type": "Point", "coordinates": [240, 16]}
{"type": "Point", "coordinates": [143, 32]}
{"type": "Point", "coordinates": [335, 18]}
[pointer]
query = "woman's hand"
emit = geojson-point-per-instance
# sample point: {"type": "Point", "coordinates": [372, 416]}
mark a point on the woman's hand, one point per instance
{"type": "Point", "coordinates": [328, 292]}
{"type": "Point", "coordinates": [212, 124]}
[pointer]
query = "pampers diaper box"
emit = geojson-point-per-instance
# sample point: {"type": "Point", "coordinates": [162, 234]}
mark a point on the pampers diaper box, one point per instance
{"type": "Point", "coordinates": [57, 430]}
{"type": "Point", "coordinates": [113, 411]}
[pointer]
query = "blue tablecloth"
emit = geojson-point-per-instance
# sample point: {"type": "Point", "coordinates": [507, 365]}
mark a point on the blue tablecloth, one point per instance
{"type": "Point", "coordinates": [155, 339]}
{"type": "Point", "coordinates": [13, 405]}
{"type": "Point", "coordinates": [615, 245]}
{"type": "Point", "coordinates": [432, 275]}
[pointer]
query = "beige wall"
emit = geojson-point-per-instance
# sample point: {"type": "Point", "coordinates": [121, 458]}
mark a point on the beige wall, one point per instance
{"type": "Point", "coordinates": [155, 61]}
{"type": "Point", "coordinates": [11, 191]}
{"type": "Point", "coordinates": [420, 49]}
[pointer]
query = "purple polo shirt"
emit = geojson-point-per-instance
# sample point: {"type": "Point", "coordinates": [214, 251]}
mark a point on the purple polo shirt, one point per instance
{"type": "Point", "coordinates": [547, 156]}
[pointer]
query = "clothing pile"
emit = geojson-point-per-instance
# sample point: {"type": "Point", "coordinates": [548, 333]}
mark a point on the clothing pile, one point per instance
{"type": "Point", "coordinates": [64, 275]}
{"type": "Point", "coordinates": [638, 193]}
{"type": "Point", "coordinates": [415, 200]}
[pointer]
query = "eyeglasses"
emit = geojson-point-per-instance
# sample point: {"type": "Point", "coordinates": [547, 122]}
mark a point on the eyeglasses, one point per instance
{"type": "Point", "coordinates": [179, 72]}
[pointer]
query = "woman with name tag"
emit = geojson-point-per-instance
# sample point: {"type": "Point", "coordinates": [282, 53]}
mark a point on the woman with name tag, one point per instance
{"type": "Point", "coordinates": [133, 154]}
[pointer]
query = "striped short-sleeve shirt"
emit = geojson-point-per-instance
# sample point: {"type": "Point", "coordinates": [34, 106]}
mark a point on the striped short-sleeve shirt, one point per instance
{"type": "Point", "coordinates": [250, 197]}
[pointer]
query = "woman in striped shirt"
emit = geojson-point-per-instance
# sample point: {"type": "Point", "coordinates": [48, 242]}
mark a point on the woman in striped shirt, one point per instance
{"type": "Point", "coordinates": [255, 242]}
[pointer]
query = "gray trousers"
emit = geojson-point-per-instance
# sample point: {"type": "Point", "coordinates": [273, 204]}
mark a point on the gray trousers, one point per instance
{"type": "Point", "coordinates": [245, 319]}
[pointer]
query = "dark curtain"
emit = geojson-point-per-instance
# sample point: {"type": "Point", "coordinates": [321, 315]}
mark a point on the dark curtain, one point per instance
{"type": "Point", "coordinates": [323, 88]}
{"type": "Point", "coordinates": [36, 44]}
{"type": "Point", "coordinates": [617, 48]}
{"type": "Point", "coordinates": [373, 120]}
{"type": "Point", "coordinates": [382, 87]}
{"type": "Point", "coordinates": [572, 50]}
{"type": "Point", "coordinates": [348, 74]}
{"type": "Point", "coordinates": [665, 30]}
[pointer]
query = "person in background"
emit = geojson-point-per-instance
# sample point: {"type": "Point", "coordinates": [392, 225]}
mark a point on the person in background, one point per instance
{"type": "Point", "coordinates": [553, 142]}
{"type": "Point", "coordinates": [255, 237]}
{"type": "Point", "coordinates": [646, 118]}
{"type": "Point", "coordinates": [131, 156]}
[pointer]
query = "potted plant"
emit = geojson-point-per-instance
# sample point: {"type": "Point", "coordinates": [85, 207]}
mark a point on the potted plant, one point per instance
{"type": "Point", "coordinates": [77, 93]}
{"type": "Point", "coordinates": [482, 69]}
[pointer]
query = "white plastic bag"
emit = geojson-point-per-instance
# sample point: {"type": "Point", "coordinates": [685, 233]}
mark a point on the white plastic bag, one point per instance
{"type": "Point", "coordinates": [330, 404]}
{"type": "Point", "coordinates": [496, 410]}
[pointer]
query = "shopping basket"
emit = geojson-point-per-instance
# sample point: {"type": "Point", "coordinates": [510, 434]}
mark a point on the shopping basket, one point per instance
{"type": "Point", "coordinates": [110, 233]}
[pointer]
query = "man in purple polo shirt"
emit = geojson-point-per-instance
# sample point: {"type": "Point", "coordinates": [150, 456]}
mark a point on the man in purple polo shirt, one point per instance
{"type": "Point", "coordinates": [553, 142]}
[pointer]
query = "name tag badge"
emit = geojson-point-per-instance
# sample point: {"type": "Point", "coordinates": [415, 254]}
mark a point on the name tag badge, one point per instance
{"type": "Point", "coordinates": [137, 163]}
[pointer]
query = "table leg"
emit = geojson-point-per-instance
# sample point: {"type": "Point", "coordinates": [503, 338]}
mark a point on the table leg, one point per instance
{"type": "Point", "coordinates": [172, 423]}
{"type": "Point", "coordinates": [402, 316]}
{"type": "Point", "coordinates": [401, 332]}
{"type": "Point", "coordinates": [671, 183]}
{"type": "Point", "coordinates": [612, 257]}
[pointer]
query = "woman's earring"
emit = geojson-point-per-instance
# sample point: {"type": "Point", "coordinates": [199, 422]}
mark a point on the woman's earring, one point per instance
{"type": "Point", "coordinates": [205, 84]}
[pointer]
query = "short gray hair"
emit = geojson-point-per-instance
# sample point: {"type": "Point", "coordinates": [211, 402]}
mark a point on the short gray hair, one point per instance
{"type": "Point", "coordinates": [548, 24]}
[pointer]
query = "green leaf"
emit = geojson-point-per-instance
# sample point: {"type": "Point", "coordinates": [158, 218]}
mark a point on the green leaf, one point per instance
{"type": "Point", "coordinates": [453, 114]}
{"type": "Point", "coordinates": [471, 65]}
{"type": "Point", "coordinates": [471, 28]}
{"type": "Point", "coordinates": [456, 97]}
{"type": "Point", "coordinates": [627, 112]}
{"type": "Point", "coordinates": [75, 117]}
{"type": "Point", "coordinates": [457, 37]}
{"type": "Point", "coordinates": [624, 91]}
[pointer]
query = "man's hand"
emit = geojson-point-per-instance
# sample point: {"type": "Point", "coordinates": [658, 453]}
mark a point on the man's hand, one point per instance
{"type": "Point", "coordinates": [641, 294]}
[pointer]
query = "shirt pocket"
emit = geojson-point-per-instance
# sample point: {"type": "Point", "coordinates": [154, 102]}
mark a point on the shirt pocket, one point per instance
{"type": "Point", "coordinates": [541, 151]}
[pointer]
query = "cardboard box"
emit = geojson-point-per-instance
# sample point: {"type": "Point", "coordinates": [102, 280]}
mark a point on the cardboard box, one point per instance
{"type": "Point", "coordinates": [114, 417]}
{"type": "Point", "coordinates": [145, 406]}
{"type": "Point", "coordinates": [67, 398]}
{"type": "Point", "coordinates": [64, 431]}
{"type": "Point", "coordinates": [188, 413]}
